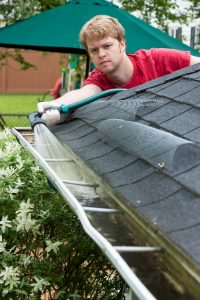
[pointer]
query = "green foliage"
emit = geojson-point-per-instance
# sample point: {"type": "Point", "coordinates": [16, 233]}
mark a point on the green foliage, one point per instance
{"type": "Point", "coordinates": [195, 8]}
{"type": "Point", "coordinates": [17, 10]}
{"type": "Point", "coordinates": [17, 56]}
{"type": "Point", "coordinates": [159, 12]}
{"type": "Point", "coordinates": [42, 245]}
{"type": "Point", "coordinates": [14, 11]}
{"type": "Point", "coordinates": [48, 4]}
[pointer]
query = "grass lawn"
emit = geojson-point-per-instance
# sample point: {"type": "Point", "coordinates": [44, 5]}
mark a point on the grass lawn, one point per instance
{"type": "Point", "coordinates": [19, 104]}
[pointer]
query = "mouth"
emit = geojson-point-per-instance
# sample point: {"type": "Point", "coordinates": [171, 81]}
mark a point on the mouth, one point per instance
{"type": "Point", "coordinates": [104, 62]}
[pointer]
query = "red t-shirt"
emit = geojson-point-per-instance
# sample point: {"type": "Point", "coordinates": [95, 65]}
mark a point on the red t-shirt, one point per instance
{"type": "Point", "coordinates": [148, 65]}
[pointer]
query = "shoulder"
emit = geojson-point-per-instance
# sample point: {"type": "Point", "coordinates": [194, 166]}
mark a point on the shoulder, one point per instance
{"type": "Point", "coordinates": [165, 52]}
{"type": "Point", "coordinates": [170, 60]}
{"type": "Point", "coordinates": [178, 58]}
{"type": "Point", "coordinates": [163, 56]}
{"type": "Point", "coordinates": [159, 53]}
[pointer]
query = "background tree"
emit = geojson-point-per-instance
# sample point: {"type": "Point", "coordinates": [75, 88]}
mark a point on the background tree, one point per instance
{"type": "Point", "coordinates": [13, 11]}
{"type": "Point", "coordinates": [17, 10]}
{"type": "Point", "coordinates": [195, 8]}
{"type": "Point", "coordinates": [161, 12]}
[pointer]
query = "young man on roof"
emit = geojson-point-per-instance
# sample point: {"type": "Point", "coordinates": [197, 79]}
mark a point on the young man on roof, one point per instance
{"type": "Point", "coordinates": [104, 39]}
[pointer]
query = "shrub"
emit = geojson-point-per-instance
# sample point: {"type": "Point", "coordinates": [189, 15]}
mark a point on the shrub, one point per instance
{"type": "Point", "coordinates": [44, 250]}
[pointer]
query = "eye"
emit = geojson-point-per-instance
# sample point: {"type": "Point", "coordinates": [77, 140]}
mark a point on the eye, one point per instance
{"type": "Point", "coordinates": [107, 46]}
{"type": "Point", "coordinates": [93, 51]}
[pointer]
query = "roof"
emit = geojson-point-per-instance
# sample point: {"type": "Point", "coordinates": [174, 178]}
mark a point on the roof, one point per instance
{"type": "Point", "coordinates": [144, 142]}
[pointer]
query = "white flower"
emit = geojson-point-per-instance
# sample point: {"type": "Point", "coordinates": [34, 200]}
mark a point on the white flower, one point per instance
{"type": "Point", "coordinates": [25, 222]}
{"type": "Point", "coordinates": [39, 284]}
{"type": "Point", "coordinates": [12, 191]}
{"type": "Point", "coordinates": [25, 260]}
{"type": "Point", "coordinates": [44, 214]}
{"type": "Point", "coordinates": [2, 244]}
{"type": "Point", "coordinates": [5, 133]}
{"type": "Point", "coordinates": [20, 162]}
{"type": "Point", "coordinates": [35, 169]}
{"type": "Point", "coordinates": [5, 223]}
{"type": "Point", "coordinates": [25, 207]}
{"type": "Point", "coordinates": [10, 276]}
{"type": "Point", "coordinates": [52, 246]}
{"type": "Point", "coordinates": [7, 172]}
{"type": "Point", "coordinates": [11, 148]}
{"type": "Point", "coordinates": [24, 219]}
{"type": "Point", "coordinates": [19, 183]}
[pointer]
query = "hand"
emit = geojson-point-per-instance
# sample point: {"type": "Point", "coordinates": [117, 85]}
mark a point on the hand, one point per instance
{"type": "Point", "coordinates": [42, 106]}
{"type": "Point", "coordinates": [51, 117]}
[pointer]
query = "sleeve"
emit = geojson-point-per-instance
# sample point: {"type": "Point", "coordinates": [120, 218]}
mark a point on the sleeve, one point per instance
{"type": "Point", "coordinates": [169, 60]}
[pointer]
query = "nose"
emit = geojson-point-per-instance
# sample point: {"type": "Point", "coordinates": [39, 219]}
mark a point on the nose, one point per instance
{"type": "Point", "coordinates": [101, 52]}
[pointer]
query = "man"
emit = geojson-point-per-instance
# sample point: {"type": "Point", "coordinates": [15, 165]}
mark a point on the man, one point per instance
{"type": "Point", "coordinates": [104, 39]}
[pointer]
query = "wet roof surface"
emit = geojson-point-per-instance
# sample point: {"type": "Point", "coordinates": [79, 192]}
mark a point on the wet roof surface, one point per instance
{"type": "Point", "coordinates": [144, 142]}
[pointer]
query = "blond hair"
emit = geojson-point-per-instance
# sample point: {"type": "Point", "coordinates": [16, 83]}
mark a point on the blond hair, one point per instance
{"type": "Point", "coordinates": [101, 26]}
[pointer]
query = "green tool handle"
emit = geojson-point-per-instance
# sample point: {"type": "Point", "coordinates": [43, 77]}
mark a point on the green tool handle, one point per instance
{"type": "Point", "coordinates": [67, 108]}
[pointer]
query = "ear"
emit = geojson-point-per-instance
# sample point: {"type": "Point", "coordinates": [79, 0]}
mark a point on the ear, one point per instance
{"type": "Point", "coordinates": [122, 45]}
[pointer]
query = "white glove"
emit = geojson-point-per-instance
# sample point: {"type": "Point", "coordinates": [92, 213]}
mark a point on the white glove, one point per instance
{"type": "Point", "coordinates": [49, 116]}
{"type": "Point", "coordinates": [42, 106]}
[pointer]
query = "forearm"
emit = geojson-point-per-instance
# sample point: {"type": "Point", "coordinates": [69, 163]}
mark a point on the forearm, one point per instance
{"type": "Point", "coordinates": [77, 95]}
{"type": "Point", "coordinates": [51, 116]}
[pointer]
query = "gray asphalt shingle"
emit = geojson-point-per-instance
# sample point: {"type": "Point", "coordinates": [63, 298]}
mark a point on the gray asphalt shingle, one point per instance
{"type": "Point", "coordinates": [168, 215]}
{"type": "Point", "coordinates": [188, 240]}
{"type": "Point", "coordinates": [190, 97]}
{"type": "Point", "coordinates": [183, 123]}
{"type": "Point", "coordinates": [178, 88]}
{"type": "Point", "coordinates": [110, 162]}
{"type": "Point", "coordinates": [95, 150]}
{"type": "Point", "coordinates": [153, 188]}
{"type": "Point", "coordinates": [166, 112]}
{"type": "Point", "coordinates": [130, 174]}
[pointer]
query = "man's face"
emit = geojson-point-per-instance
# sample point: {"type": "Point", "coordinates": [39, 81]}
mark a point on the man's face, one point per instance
{"type": "Point", "coordinates": [106, 54]}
